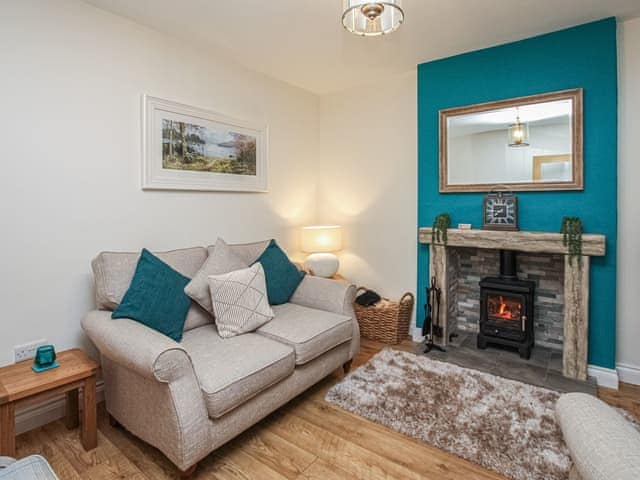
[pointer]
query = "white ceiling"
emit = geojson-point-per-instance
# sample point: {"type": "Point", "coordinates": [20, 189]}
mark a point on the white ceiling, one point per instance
{"type": "Point", "coordinates": [303, 43]}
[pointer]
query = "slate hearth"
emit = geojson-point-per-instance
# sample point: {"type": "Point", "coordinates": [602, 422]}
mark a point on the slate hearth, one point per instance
{"type": "Point", "coordinates": [543, 369]}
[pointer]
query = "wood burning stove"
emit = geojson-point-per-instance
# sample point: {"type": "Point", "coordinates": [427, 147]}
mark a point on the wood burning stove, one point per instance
{"type": "Point", "coordinates": [506, 308]}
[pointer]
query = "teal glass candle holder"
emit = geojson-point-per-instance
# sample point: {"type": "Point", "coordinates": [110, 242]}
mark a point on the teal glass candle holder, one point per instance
{"type": "Point", "coordinates": [45, 359]}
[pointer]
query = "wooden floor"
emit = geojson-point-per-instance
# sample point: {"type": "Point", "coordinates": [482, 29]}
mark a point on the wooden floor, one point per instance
{"type": "Point", "coordinates": [306, 439]}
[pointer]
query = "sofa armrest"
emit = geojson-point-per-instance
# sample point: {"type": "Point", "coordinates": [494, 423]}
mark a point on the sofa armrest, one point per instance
{"type": "Point", "coordinates": [325, 294]}
{"type": "Point", "coordinates": [334, 296]}
{"type": "Point", "coordinates": [137, 347]}
{"type": "Point", "coordinates": [6, 461]}
{"type": "Point", "coordinates": [602, 443]}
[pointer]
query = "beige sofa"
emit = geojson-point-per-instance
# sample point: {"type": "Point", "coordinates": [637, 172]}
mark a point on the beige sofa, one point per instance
{"type": "Point", "coordinates": [189, 398]}
{"type": "Point", "coordinates": [603, 444]}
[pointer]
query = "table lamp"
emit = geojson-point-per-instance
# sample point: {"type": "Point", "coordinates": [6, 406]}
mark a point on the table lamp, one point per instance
{"type": "Point", "coordinates": [321, 242]}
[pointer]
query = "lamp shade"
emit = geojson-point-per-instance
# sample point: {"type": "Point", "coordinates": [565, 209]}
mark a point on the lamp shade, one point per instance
{"type": "Point", "coordinates": [370, 18]}
{"type": "Point", "coordinates": [320, 239]}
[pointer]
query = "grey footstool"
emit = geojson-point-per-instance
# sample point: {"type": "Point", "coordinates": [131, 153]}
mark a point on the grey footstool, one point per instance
{"type": "Point", "coordinates": [602, 443]}
{"type": "Point", "coordinates": [33, 467]}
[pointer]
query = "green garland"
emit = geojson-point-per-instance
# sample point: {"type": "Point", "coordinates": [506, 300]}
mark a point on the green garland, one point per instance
{"type": "Point", "coordinates": [572, 237]}
{"type": "Point", "coordinates": [439, 231]}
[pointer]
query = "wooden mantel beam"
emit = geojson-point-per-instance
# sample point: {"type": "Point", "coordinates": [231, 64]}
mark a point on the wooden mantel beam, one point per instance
{"type": "Point", "coordinates": [522, 241]}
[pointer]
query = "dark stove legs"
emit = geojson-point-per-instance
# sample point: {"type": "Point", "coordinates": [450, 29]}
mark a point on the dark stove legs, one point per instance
{"type": "Point", "coordinates": [525, 352]}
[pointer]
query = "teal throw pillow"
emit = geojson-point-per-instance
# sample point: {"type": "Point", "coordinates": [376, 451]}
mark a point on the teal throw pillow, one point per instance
{"type": "Point", "coordinates": [282, 276]}
{"type": "Point", "coordinates": [156, 297]}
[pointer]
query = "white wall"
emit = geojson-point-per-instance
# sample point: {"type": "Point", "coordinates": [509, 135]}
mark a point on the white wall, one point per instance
{"type": "Point", "coordinates": [486, 157]}
{"type": "Point", "coordinates": [368, 181]}
{"type": "Point", "coordinates": [628, 350]}
{"type": "Point", "coordinates": [72, 77]}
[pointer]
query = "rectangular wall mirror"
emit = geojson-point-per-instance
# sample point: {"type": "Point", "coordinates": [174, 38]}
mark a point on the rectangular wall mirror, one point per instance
{"type": "Point", "coordinates": [526, 143]}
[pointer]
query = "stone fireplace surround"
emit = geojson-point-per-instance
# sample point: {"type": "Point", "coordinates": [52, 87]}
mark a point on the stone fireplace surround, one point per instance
{"type": "Point", "coordinates": [562, 294]}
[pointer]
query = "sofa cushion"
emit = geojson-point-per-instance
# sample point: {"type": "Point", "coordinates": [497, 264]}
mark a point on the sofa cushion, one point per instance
{"type": "Point", "coordinates": [156, 297]}
{"type": "Point", "coordinates": [283, 277]}
{"type": "Point", "coordinates": [197, 317]}
{"type": "Point", "coordinates": [248, 252]}
{"type": "Point", "coordinates": [603, 444]}
{"type": "Point", "coordinates": [221, 260]}
{"type": "Point", "coordinates": [233, 370]}
{"type": "Point", "coordinates": [113, 272]}
{"type": "Point", "coordinates": [33, 467]}
{"type": "Point", "coordinates": [240, 301]}
{"type": "Point", "coordinates": [309, 331]}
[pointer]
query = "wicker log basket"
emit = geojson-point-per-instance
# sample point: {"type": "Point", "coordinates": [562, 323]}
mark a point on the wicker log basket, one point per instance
{"type": "Point", "coordinates": [387, 321]}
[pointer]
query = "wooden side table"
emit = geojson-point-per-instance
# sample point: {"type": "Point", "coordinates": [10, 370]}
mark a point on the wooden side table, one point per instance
{"type": "Point", "coordinates": [20, 386]}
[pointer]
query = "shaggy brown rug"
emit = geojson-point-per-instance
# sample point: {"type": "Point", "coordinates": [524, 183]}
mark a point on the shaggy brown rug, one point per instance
{"type": "Point", "coordinates": [501, 424]}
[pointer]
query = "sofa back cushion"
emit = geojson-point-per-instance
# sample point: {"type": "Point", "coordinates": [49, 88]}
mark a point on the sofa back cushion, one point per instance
{"type": "Point", "coordinates": [113, 271]}
{"type": "Point", "coordinates": [248, 252]}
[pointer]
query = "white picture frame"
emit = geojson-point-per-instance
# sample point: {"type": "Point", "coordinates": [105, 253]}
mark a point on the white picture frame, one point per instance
{"type": "Point", "coordinates": [212, 152]}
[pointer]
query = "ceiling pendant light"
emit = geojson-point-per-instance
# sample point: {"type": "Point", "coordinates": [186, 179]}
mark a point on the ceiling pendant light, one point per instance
{"type": "Point", "coordinates": [518, 133]}
{"type": "Point", "coordinates": [367, 18]}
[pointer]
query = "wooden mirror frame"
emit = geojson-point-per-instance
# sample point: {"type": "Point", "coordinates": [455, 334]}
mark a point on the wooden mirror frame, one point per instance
{"type": "Point", "coordinates": [577, 183]}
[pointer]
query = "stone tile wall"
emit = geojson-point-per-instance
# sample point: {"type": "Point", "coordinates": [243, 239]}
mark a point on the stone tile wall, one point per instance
{"type": "Point", "coordinates": [470, 265]}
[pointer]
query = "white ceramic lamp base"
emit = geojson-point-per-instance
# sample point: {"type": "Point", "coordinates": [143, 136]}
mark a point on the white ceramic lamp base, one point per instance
{"type": "Point", "coordinates": [322, 264]}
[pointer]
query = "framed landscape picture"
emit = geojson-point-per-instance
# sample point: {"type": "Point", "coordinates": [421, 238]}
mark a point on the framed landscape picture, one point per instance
{"type": "Point", "coordinates": [189, 148]}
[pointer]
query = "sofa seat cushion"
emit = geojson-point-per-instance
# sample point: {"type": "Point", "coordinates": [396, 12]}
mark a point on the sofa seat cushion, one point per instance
{"type": "Point", "coordinates": [233, 370]}
{"type": "Point", "coordinates": [309, 331]}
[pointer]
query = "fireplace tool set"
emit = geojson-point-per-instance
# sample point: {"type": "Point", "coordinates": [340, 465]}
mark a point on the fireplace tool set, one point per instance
{"type": "Point", "coordinates": [431, 326]}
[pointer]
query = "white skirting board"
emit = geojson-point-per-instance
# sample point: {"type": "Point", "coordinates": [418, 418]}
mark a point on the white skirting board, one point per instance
{"type": "Point", "coordinates": [606, 377]}
{"type": "Point", "coordinates": [40, 414]}
{"type": "Point", "coordinates": [416, 334]}
{"type": "Point", "coordinates": [628, 373]}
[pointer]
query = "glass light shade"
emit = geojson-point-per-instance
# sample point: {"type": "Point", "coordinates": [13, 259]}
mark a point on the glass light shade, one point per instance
{"type": "Point", "coordinates": [321, 239]}
{"type": "Point", "coordinates": [364, 17]}
{"type": "Point", "coordinates": [519, 134]}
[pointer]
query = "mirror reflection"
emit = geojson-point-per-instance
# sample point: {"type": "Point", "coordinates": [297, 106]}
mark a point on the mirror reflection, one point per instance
{"type": "Point", "coordinates": [523, 144]}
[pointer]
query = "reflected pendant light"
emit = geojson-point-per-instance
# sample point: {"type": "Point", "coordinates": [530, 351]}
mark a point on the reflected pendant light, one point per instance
{"type": "Point", "coordinates": [367, 18]}
{"type": "Point", "coordinates": [518, 133]}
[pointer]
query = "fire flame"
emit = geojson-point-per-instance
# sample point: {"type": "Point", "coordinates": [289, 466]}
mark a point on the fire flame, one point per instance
{"type": "Point", "coordinates": [506, 310]}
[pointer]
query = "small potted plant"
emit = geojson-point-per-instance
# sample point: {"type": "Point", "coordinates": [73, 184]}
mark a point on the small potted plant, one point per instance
{"type": "Point", "coordinates": [571, 230]}
{"type": "Point", "coordinates": [439, 231]}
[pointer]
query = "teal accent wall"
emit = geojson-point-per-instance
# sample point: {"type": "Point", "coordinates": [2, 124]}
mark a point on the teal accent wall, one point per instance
{"type": "Point", "coordinates": [583, 56]}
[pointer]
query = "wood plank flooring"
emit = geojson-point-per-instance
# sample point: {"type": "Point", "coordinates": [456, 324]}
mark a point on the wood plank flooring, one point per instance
{"type": "Point", "coordinates": [308, 439]}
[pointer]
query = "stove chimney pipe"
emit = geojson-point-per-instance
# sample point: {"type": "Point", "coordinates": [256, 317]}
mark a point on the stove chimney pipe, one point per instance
{"type": "Point", "coordinates": [508, 265]}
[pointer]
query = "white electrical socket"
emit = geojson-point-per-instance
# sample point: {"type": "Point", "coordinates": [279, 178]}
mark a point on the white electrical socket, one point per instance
{"type": "Point", "coordinates": [26, 351]}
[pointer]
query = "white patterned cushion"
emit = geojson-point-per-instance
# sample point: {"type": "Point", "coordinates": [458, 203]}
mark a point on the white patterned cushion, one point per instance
{"type": "Point", "coordinates": [240, 302]}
